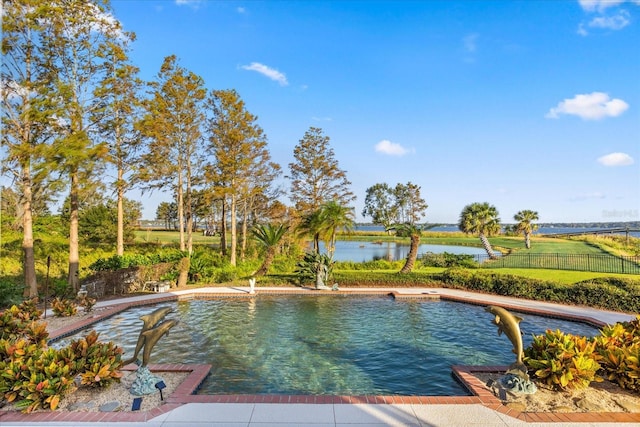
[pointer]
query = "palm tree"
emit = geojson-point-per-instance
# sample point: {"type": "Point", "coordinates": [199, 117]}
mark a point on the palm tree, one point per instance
{"type": "Point", "coordinates": [481, 219]}
{"type": "Point", "coordinates": [414, 232]}
{"type": "Point", "coordinates": [324, 223]}
{"type": "Point", "coordinates": [269, 237]}
{"type": "Point", "coordinates": [310, 225]}
{"type": "Point", "coordinates": [334, 217]}
{"type": "Point", "coordinates": [525, 225]}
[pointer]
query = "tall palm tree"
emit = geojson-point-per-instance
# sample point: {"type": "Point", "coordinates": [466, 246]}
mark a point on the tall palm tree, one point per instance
{"type": "Point", "coordinates": [269, 237]}
{"type": "Point", "coordinates": [481, 219]}
{"type": "Point", "coordinates": [525, 225]}
{"type": "Point", "coordinates": [334, 217]}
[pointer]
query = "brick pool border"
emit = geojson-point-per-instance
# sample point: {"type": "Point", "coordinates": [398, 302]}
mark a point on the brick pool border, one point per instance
{"type": "Point", "coordinates": [197, 373]}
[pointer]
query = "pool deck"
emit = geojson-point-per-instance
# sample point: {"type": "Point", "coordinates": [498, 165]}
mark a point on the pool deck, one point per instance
{"type": "Point", "coordinates": [184, 409]}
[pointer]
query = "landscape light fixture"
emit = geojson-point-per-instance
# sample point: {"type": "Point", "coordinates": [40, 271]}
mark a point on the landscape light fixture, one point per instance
{"type": "Point", "coordinates": [136, 404]}
{"type": "Point", "coordinates": [160, 385]}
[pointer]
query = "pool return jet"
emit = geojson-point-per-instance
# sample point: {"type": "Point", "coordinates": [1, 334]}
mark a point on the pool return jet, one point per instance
{"type": "Point", "coordinates": [516, 379]}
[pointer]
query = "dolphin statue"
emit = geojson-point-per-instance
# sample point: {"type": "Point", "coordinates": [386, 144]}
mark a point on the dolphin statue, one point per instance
{"type": "Point", "coordinates": [149, 321]}
{"type": "Point", "coordinates": [152, 336]}
{"type": "Point", "coordinates": [510, 325]}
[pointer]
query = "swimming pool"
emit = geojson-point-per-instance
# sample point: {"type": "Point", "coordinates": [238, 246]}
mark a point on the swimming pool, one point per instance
{"type": "Point", "coordinates": [328, 345]}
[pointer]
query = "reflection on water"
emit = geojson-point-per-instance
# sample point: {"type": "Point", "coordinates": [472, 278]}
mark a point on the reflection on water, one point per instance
{"type": "Point", "coordinates": [333, 345]}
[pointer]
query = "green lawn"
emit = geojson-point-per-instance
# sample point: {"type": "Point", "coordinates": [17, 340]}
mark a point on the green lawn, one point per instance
{"type": "Point", "coordinates": [168, 236]}
{"type": "Point", "coordinates": [559, 276]}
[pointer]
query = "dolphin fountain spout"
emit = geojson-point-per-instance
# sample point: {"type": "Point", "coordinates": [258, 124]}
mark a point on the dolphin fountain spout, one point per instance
{"type": "Point", "coordinates": [510, 325]}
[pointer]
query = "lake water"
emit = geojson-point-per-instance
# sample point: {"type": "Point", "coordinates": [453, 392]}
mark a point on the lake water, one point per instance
{"type": "Point", "coordinates": [391, 251]}
{"type": "Point", "coordinates": [541, 230]}
{"type": "Point", "coordinates": [328, 345]}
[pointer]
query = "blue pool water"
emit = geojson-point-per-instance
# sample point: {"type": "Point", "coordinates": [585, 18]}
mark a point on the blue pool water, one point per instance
{"type": "Point", "coordinates": [330, 345]}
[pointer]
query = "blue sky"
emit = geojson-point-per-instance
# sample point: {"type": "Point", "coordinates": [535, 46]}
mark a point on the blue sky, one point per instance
{"type": "Point", "coordinates": [522, 104]}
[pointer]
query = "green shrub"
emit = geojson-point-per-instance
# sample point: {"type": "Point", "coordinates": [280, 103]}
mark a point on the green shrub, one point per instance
{"type": "Point", "coordinates": [117, 262]}
{"type": "Point", "coordinates": [10, 293]}
{"type": "Point", "coordinates": [31, 376]}
{"type": "Point", "coordinates": [455, 277]}
{"type": "Point", "coordinates": [16, 322]}
{"type": "Point", "coordinates": [611, 293]}
{"type": "Point", "coordinates": [618, 351]}
{"type": "Point", "coordinates": [379, 264]}
{"type": "Point", "coordinates": [226, 274]}
{"type": "Point", "coordinates": [448, 260]}
{"type": "Point", "coordinates": [86, 302]}
{"type": "Point", "coordinates": [64, 307]}
{"type": "Point", "coordinates": [97, 363]}
{"type": "Point", "coordinates": [562, 361]}
{"type": "Point", "coordinates": [59, 288]}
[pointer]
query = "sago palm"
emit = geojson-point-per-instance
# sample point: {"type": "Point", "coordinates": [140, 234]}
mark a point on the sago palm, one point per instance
{"type": "Point", "coordinates": [269, 237]}
{"type": "Point", "coordinates": [481, 219]}
{"type": "Point", "coordinates": [525, 225]}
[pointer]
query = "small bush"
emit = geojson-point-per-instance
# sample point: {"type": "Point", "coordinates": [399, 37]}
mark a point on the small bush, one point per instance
{"type": "Point", "coordinates": [562, 361]}
{"type": "Point", "coordinates": [448, 260]}
{"type": "Point", "coordinates": [97, 363]}
{"type": "Point", "coordinates": [32, 377]}
{"type": "Point", "coordinates": [618, 352]}
{"type": "Point", "coordinates": [86, 302]}
{"type": "Point", "coordinates": [16, 322]}
{"type": "Point", "coordinates": [64, 307]}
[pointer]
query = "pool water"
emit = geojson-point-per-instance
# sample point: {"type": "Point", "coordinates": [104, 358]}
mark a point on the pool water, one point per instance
{"type": "Point", "coordinates": [328, 345]}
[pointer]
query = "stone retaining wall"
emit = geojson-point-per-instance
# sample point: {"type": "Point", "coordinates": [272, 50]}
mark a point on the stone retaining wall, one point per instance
{"type": "Point", "coordinates": [124, 281]}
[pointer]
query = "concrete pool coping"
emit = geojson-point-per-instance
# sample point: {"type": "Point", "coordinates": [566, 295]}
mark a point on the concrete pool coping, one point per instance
{"type": "Point", "coordinates": [480, 394]}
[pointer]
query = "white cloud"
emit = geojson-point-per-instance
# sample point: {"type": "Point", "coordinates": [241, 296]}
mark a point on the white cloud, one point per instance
{"type": "Point", "coordinates": [615, 22]}
{"type": "Point", "coordinates": [391, 148]}
{"type": "Point", "coordinates": [470, 42]}
{"type": "Point", "coordinates": [581, 30]}
{"type": "Point", "coordinates": [616, 159]}
{"type": "Point", "coordinates": [604, 19]}
{"type": "Point", "coordinates": [241, 10]}
{"type": "Point", "coordinates": [598, 5]}
{"type": "Point", "coordinates": [193, 4]}
{"type": "Point", "coordinates": [587, 196]}
{"type": "Point", "coordinates": [591, 106]}
{"type": "Point", "coordinates": [268, 72]}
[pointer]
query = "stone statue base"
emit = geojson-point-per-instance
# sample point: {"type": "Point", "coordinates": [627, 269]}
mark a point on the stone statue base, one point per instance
{"type": "Point", "coordinates": [145, 382]}
{"type": "Point", "coordinates": [516, 384]}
